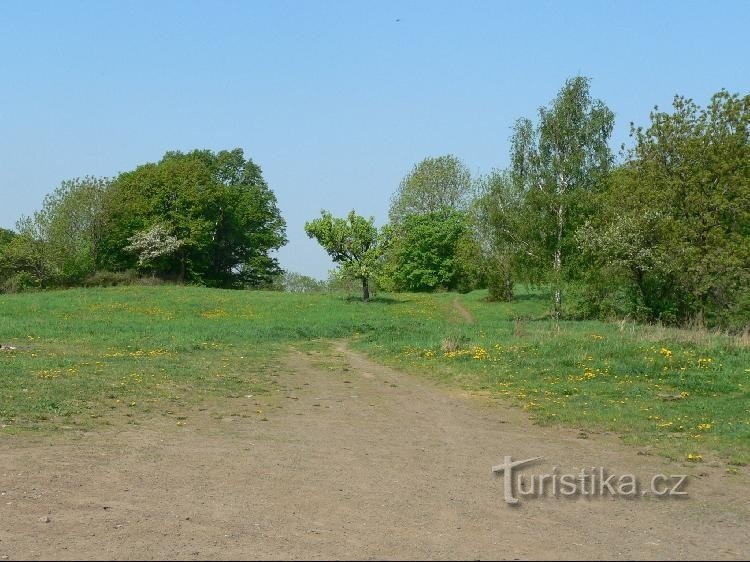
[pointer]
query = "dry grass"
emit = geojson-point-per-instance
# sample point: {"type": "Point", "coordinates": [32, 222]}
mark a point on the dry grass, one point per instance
{"type": "Point", "coordinates": [692, 333]}
{"type": "Point", "coordinates": [449, 345]}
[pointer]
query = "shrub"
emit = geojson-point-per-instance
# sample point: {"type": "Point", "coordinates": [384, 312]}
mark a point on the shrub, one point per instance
{"type": "Point", "coordinates": [111, 278]}
{"type": "Point", "coordinates": [20, 283]}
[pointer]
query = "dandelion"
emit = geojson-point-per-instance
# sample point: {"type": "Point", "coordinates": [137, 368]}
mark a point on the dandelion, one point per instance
{"type": "Point", "coordinates": [213, 314]}
{"type": "Point", "coordinates": [479, 352]}
{"type": "Point", "coordinates": [695, 457]}
{"type": "Point", "coordinates": [666, 353]}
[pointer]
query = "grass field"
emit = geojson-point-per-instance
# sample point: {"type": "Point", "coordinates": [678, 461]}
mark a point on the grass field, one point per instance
{"type": "Point", "coordinates": [88, 357]}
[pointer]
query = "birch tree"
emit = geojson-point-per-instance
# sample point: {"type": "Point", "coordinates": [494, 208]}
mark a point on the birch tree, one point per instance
{"type": "Point", "coordinates": [555, 164]}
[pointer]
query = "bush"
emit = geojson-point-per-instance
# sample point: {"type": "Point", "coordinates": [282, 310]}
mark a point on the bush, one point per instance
{"type": "Point", "coordinates": [20, 283]}
{"type": "Point", "coordinates": [111, 278]}
{"type": "Point", "coordinates": [292, 282]}
{"type": "Point", "coordinates": [500, 286]}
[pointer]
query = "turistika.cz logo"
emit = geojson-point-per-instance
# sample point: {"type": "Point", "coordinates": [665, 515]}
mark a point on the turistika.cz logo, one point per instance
{"type": "Point", "coordinates": [588, 482]}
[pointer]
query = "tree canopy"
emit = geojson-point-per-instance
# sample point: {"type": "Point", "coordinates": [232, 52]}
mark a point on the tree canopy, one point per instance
{"type": "Point", "coordinates": [217, 204]}
{"type": "Point", "coordinates": [673, 225]}
{"type": "Point", "coordinates": [433, 185]}
{"type": "Point", "coordinates": [556, 164]}
{"type": "Point", "coordinates": [423, 253]}
{"type": "Point", "coordinates": [352, 242]}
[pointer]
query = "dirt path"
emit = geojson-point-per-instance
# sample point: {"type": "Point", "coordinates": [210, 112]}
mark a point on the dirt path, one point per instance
{"type": "Point", "coordinates": [355, 461]}
{"type": "Point", "coordinates": [465, 313]}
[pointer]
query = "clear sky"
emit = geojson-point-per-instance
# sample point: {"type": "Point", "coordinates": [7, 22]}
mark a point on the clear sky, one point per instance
{"type": "Point", "coordinates": [336, 100]}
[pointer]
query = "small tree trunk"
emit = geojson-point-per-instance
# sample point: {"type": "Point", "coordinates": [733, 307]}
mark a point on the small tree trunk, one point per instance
{"type": "Point", "coordinates": [182, 267]}
{"type": "Point", "coordinates": [365, 289]}
{"type": "Point", "coordinates": [558, 264]}
{"type": "Point", "coordinates": [508, 287]}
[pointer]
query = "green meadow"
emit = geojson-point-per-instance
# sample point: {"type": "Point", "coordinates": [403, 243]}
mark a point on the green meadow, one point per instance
{"type": "Point", "coordinates": [86, 358]}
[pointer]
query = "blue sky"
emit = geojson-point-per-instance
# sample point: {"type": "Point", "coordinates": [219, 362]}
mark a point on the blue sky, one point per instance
{"type": "Point", "coordinates": [336, 100]}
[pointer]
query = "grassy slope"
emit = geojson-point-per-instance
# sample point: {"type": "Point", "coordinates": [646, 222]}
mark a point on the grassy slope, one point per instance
{"type": "Point", "coordinates": [137, 350]}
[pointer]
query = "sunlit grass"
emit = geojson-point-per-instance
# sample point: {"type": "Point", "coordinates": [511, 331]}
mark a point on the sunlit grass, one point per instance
{"type": "Point", "coordinates": [86, 356]}
{"type": "Point", "coordinates": [680, 396]}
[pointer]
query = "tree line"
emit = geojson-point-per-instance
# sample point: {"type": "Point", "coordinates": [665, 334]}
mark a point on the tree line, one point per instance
{"type": "Point", "coordinates": [660, 234]}
{"type": "Point", "coordinates": [197, 217]}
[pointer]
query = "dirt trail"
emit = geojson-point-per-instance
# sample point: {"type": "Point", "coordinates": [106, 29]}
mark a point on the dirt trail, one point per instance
{"type": "Point", "coordinates": [355, 461]}
{"type": "Point", "coordinates": [465, 313]}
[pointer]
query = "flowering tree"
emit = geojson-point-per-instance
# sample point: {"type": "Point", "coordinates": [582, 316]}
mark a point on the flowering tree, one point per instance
{"type": "Point", "coordinates": [153, 244]}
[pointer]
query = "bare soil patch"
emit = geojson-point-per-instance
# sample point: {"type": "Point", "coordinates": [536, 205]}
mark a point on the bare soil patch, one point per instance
{"type": "Point", "coordinates": [354, 460]}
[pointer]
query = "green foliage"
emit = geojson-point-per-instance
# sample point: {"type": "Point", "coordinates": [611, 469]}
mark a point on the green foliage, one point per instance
{"type": "Point", "coordinates": [60, 244]}
{"type": "Point", "coordinates": [472, 265]}
{"type": "Point", "coordinates": [430, 244]}
{"type": "Point", "coordinates": [217, 204]}
{"type": "Point", "coordinates": [498, 224]}
{"type": "Point", "coordinates": [434, 185]}
{"type": "Point", "coordinates": [556, 166]}
{"type": "Point", "coordinates": [671, 232]}
{"type": "Point", "coordinates": [292, 282]}
{"type": "Point", "coordinates": [693, 165]}
{"type": "Point", "coordinates": [19, 282]}
{"type": "Point", "coordinates": [6, 236]}
{"type": "Point", "coordinates": [354, 243]}
{"type": "Point", "coordinates": [423, 253]}
{"type": "Point", "coordinates": [111, 279]}
{"type": "Point", "coordinates": [24, 258]}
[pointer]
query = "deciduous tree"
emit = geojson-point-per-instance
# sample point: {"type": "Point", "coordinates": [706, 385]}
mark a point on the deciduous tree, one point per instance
{"type": "Point", "coordinates": [555, 165]}
{"type": "Point", "coordinates": [434, 185]}
{"type": "Point", "coordinates": [352, 242]}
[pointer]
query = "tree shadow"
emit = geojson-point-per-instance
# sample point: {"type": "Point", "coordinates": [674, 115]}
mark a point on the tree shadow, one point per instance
{"type": "Point", "coordinates": [377, 299]}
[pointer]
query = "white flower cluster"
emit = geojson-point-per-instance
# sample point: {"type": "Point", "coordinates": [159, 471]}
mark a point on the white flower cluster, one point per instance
{"type": "Point", "coordinates": [152, 244]}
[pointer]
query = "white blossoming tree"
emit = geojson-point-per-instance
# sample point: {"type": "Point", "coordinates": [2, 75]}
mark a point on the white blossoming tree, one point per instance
{"type": "Point", "coordinates": [152, 245]}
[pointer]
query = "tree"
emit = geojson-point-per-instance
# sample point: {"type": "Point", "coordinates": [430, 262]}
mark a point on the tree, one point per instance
{"type": "Point", "coordinates": [624, 268]}
{"type": "Point", "coordinates": [23, 264]}
{"type": "Point", "coordinates": [353, 243]}
{"type": "Point", "coordinates": [217, 204]}
{"type": "Point", "coordinates": [422, 254]}
{"type": "Point", "coordinates": [694, 166]}
{"type": "Point", "coordinates": [556, 165]}
{"type": "Point", "coordinates": [6, 236]}
{"type": "Point", "coordinates": [63, 239]}
{"type": "Point", "coordinates": [428, 222]}
{"type": "Point", "coordinates": [152, 245]}
{"type": "Point", "coordinates": [676, 217]}
{"type": "Point", "coordinates": [498, 220]}
{"type": "Point", "coordinates": [292, 282]}
{"type": "Point", "coordinates": [434, 185]}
